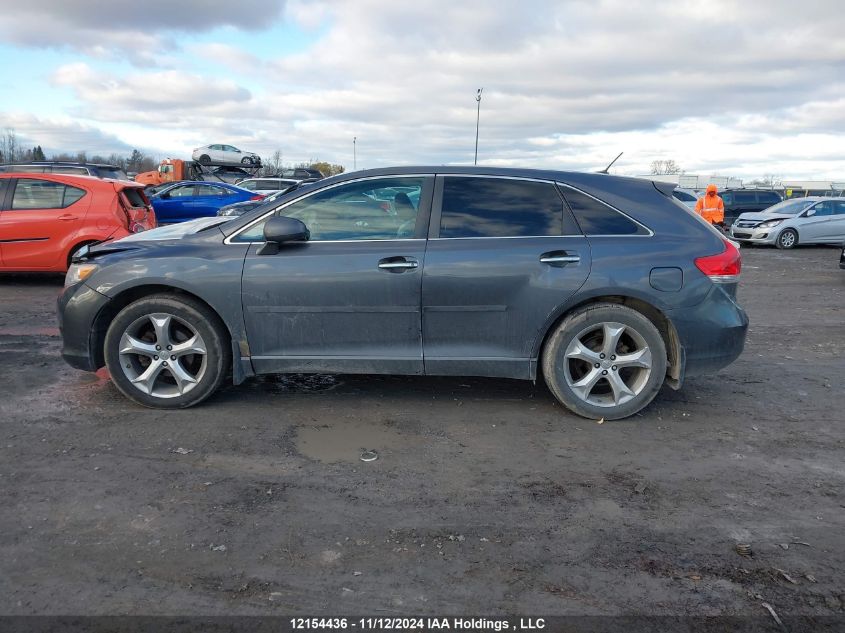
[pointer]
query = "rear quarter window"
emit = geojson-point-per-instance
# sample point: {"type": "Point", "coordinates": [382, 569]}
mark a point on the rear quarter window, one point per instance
{"type": "Point", "coordinates": [597, 218]}
{"type": "Point", "coordinates": [134, 197]}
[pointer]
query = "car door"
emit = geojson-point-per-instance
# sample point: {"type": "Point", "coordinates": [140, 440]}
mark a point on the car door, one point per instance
{"type": "Point", "coordinates": [837, 223]}
{"type": "Point", "coordinates": [174, 205]}
{"type": "Point", "coordinates": [348, 300]}
{"type": "Point", "coordinates": [816, 223]}
{"type": "Point", "coordinates": [208, 198]}
{"type": "Point", "coordinates": [38, 222]}
{"type": "Point", "coordinates": [503, 254]}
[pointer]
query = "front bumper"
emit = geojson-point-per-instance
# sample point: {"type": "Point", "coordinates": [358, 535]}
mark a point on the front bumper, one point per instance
{"type": "Point", "coordinates": [78, 307]}
{"type": "Point", "coordinates": [711, 333]}
{"type": "Point", "coordinates": [755, 235]}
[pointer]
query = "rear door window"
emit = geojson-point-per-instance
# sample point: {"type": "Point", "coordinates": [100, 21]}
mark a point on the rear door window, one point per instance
{"type": "Point", "coordinates": [745, 197]}
{"type": "Point", "coordinates": [500, 207]}
{"type": "Point", "coordinates": [768, 197]}
{"type": "Point", "coordinates": [181, 192]}
{"type": "Point", "coordinates": [597, 218]}
{"type": "Point", "coordinates": [212, 190]}
{"type": "Point", "coordinates": [31, 193]}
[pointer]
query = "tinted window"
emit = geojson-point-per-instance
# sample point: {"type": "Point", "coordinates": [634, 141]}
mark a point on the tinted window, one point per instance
{"type": "Point", "coordinates": [745, 197]}
{"type": "Point", "coordinates": [683, 196]}
{"type": "Point", "coordinates": [596, 218]}
{"type": "Point", "coordinates": [727, 198]}
{"type": "Point", "coordinates": [769, 197]}
{"type": "Point", "coordinates": [375, 209]}
{"type": "Point", "coordinates": [839, 208]}
{"type": "Point", "coordinates": [498, 207]}
{"type": "Point", "coordinates": [44, 194]}
{"type": "Point", "coordinates": [114, 173]}
{"type": "Point", "coordinates": [135, 197]}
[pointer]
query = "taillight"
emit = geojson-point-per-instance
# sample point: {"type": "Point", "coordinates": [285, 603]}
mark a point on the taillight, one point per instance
{"type": "Point", "coordinates": [257, 196]}
{"type": "Point", "coordinates": [723, 268]}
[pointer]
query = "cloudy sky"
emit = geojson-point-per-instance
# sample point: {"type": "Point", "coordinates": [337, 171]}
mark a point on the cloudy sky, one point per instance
{"type": "Point", "coordinates": [744, 88]}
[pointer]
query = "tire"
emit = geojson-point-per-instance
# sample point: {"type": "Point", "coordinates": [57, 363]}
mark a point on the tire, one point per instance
{"type": "Point", "coordinates": [200, 351]}
{"type": "Point", "coordinates": [205, 159]}
{"type": "Point", "coordinates": [246, 160]}
{"type": "Point", "coordinates": [787, 239]}
{"type": "Point", "coordinates": [73, 250]}
{"type": "Point", "coordinates": [584, 339]}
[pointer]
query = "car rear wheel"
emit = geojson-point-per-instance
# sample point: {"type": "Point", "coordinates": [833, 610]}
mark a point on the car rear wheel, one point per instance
{"type": "Point", "coordinates": [605, 361]}
{"type": "Point", "coordinates": [167, 352]}
{"type": "Point", "coordinates": [788, 238]}
{"type": "Point", "coordinates": [205, 159]}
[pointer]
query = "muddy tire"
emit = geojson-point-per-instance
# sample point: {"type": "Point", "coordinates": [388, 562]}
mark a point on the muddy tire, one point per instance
{"type": "Point", "coordinates": [605, 361]}
{"type": "Point", "coordinates": [167, 352]}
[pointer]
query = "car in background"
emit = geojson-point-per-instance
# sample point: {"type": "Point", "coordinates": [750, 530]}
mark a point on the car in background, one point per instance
{"type": "Point", "coordinates": [189, 199]}
{"type": "Point", "coordinates": [302, 173]}
{"type": "Point", "coordinates": [98, 170]}
{"type": "Point", "coordinates": [266, 184]}
{"type": "Point", "coordinates": [239, 208]}
{"type": "Point", "coordinates": [594, 282]}
{"type": "Point", "coordinates": [224, 155]}
{"type": "Point", "coordinates": [45, 218]}
{"type": "Point", "coordinates": [739, 201]}
{"type": "Point", "coordinates": [814, 220]}
{"type": "Point", "coordinates": [687, 197]}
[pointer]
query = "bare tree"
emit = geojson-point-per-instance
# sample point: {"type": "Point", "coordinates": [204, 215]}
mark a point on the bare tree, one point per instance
{"type": "Point", "coordinates": [9, 148]}
{"type": "Point", "coordinates": [668, 166]}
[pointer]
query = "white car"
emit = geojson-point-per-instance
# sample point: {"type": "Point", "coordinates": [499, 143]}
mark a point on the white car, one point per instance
{"type": "Point", "coordinates": [224, 155]}
{"type": "Point", "coordinates": [687, 197]}
{"type": "Point", "coordinates": [812, 220]}
{"type": "Point", "coordinates": [266, 185]}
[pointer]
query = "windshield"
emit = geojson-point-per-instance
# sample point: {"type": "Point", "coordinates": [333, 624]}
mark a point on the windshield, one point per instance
{"type": "Point", "coordinates": [790, 207]}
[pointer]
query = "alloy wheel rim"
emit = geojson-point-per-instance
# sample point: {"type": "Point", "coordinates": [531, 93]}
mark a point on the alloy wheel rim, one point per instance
{"type": "Point", "coordinates": [607, 364]}
{"type": "Point", "coordinates": [162, 355]}
{"type": "Point", "coordinates": [787, 239]}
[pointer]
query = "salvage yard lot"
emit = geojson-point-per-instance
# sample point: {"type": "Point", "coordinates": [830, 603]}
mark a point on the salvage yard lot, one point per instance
{"type": "Point", "coordinates": [487, 496]}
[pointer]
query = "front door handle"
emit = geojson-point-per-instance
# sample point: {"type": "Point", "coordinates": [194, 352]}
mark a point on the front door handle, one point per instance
{"type": "Point", "coordinates": [67, 217]}
{"type": "Point", "coordinates": [398, 264]}
{"type": "Point", "coordinates": [559, 258]}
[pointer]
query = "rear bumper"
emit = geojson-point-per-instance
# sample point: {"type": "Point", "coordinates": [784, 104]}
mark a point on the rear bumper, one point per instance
{"type": "Point", "coordinates": [711, 333]}
{"type": "Point", "coordinates": [78, 307]}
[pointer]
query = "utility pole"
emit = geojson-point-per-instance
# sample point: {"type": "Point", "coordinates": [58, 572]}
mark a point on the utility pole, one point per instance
{"type": "Point", "coordinates": [477, 120]}
{"type": "Point", "coordinates": [354, 154]}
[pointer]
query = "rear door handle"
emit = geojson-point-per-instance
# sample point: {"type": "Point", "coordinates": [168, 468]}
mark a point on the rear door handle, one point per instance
{"type": "Point", "coordinates": [67, 217]}
{"type": "Point", "coordinates": [398, 264]}
{"type": "Point", "coordinates": [559, 258]}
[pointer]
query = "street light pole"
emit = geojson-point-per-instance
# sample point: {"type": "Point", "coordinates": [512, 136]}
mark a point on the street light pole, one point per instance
{"type": "Point", "coordinates": [477, 120]}
{"type": "Point", "coordinates": [354, 154]}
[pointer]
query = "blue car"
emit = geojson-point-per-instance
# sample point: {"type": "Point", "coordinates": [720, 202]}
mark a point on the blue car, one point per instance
{"type": "Point", "coordinates": [190, 200]}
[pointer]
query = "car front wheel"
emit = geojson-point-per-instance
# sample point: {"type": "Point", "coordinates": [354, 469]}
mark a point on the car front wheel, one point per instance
{"type": "Point", "coordinates": [246, 160]}
{"type": "Point", "coordinates": [788, 238]}
{"type": "Point", "coordinates": [167, 352]}
{"type": "Point", "coordinates": [605, 361]}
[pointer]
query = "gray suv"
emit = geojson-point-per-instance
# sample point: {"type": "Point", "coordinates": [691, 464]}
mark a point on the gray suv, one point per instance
{"type": "Point", "coordinates": [604, 286]}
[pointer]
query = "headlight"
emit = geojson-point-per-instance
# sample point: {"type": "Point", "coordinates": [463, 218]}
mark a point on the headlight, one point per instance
{"type": "Point", "coordinates": [769, 224]}
{"type": "Point", "coordinates": [78, 273]}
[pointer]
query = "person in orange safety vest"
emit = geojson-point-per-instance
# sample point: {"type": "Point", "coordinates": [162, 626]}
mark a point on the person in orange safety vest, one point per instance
{"type": "Point", "coordinates": [710, 206]}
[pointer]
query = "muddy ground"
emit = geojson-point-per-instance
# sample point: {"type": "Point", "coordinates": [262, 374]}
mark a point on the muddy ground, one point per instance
{"type": "Point", "coordinates": [487, 496]}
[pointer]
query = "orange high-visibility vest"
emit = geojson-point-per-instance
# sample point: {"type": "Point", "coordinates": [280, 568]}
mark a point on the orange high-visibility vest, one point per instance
{"type": "Point", "coordinates": [711, 209]}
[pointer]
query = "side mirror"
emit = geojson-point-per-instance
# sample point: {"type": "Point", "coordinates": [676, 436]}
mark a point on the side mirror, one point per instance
{"type": "Point", "coordinates": [810, 213]}
{"type": "Point", "coordinates": [164, 196]}
{"type": "Point", "coordinates": [280, 230]}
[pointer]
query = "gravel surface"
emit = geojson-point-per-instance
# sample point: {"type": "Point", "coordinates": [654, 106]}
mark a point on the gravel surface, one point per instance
{"type": "Point", "coordinates": [486, 497]}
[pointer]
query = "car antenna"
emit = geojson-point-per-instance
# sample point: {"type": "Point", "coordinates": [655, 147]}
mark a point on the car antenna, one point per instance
{"type": "Point", "coordinates": [605, 170]}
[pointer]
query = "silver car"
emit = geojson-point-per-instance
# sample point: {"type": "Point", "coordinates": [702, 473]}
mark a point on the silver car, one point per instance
{"type": "Point", "coordinates": [812, 220]}
{"type": "Point", "coordinates": [220, 154]}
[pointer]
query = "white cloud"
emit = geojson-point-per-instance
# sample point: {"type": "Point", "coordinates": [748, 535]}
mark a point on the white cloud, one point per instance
{"type": "Point", "coordinates": [739, 88]}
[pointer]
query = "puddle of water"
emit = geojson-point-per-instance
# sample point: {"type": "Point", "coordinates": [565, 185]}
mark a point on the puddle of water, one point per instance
{"type": "Point", "coordinates": [345, 441]}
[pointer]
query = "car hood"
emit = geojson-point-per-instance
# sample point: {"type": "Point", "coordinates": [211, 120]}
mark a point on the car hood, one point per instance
{"type": "Point", "coordinates": [174, 231]}
{"type": "Point", "coordinates": [762, 217]}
